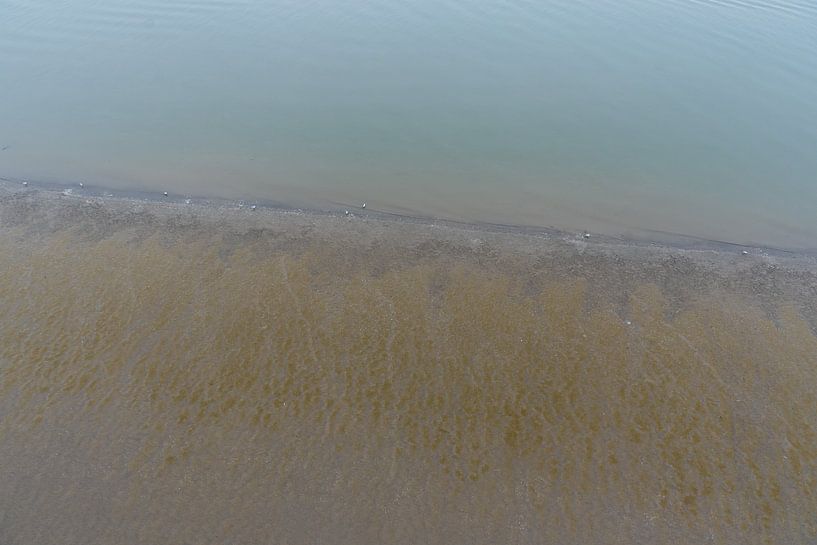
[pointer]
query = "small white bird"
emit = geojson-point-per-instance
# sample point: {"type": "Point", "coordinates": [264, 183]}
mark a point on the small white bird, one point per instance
{"type": "Point", "coordinates": [744, 252]}
{"type": "Point", "coordinates": [25, 184]}
{"type": "Point", "coordinates": [187, 201]}
{"type": "Point", "coordinates": [587, 235]}
{"type": "Point", "coordinates": [253, 207]}
{"type": "Point", "coordinates": [165, 193]}
{"type": "Point", "coordinates": [364, 205]}
{"type": "Point", "coordinates": [346, 212]}
{"type": "Point", "coordinates": [81, 184]}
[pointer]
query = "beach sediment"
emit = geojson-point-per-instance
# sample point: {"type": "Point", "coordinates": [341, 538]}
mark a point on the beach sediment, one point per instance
{"type": "Point", "coordinates": [206, 373]}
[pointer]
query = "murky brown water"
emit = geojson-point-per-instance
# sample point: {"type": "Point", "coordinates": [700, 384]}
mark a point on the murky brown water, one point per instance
{"type": "Point", "coordinates": [190, 375]}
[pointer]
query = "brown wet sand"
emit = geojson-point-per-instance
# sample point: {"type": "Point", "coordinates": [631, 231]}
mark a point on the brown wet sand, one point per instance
{"type": "Point", "coordinates": [176, 373]}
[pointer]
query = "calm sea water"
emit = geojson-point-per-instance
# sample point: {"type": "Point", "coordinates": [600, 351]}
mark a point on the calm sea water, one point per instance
{"type": "Point", "coordinates": [177, 373]}
{"type": "Point", "coordinates": [695, 117]}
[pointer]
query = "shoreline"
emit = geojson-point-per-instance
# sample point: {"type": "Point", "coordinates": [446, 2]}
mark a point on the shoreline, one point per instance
{"type": "Point", "coordinates": [373, 241]}
{"type": "Point", "coordinates": [658, 240]}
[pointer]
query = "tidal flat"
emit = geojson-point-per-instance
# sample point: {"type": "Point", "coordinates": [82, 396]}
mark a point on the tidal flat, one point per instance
{"type": "Point", "coordinates": [207, 373]}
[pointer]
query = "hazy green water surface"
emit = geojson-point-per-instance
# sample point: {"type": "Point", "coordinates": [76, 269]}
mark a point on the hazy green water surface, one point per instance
{"type": "Point", "coordinates": [691, 117]}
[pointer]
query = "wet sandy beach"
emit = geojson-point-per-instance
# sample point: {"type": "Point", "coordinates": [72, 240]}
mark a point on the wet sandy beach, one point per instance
{"type": "Point", "coordinates": [204, 373]}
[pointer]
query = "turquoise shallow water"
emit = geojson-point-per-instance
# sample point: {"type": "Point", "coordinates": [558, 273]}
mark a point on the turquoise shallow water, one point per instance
{"type": "Point", "coordinates": [691, 117]}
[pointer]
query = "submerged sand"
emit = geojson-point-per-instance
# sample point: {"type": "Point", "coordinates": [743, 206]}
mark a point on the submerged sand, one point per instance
{"type": "Point", "coordinates": [191, 373]}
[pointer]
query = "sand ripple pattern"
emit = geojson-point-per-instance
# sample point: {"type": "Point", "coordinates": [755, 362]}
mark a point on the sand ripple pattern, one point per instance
{"type": "Point", "coordinates": [191, 385]}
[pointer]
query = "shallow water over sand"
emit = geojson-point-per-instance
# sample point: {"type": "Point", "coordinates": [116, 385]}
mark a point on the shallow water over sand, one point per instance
{"type": "Point", "coordinates": [196, 375]}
